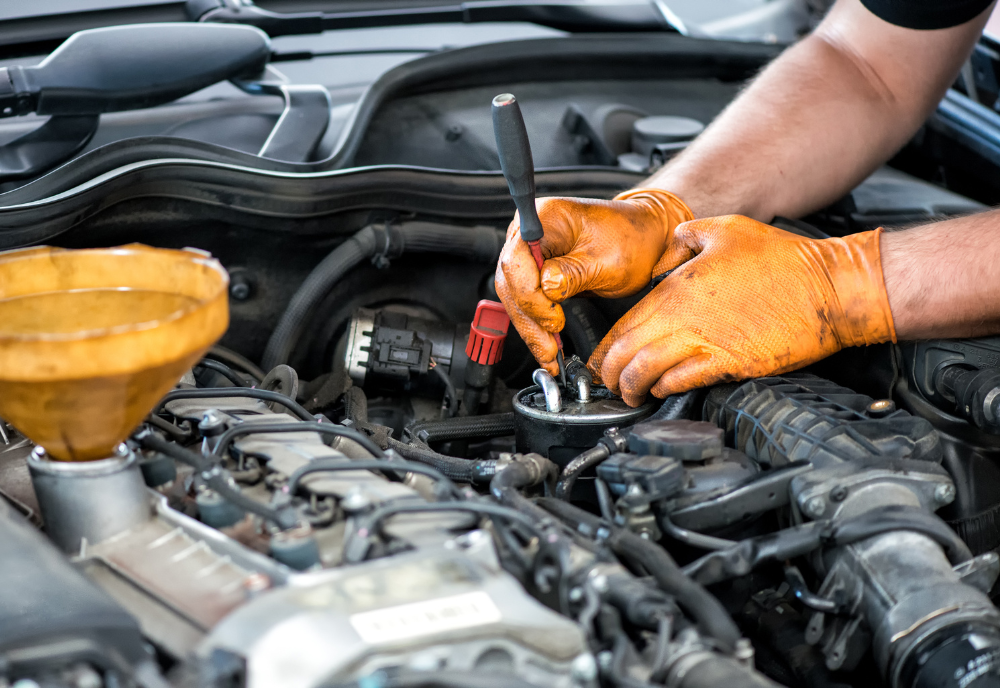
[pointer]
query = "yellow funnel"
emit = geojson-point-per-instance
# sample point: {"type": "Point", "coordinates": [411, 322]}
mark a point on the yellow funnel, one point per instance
{"type": "Point", "coordinates": [91, 339]}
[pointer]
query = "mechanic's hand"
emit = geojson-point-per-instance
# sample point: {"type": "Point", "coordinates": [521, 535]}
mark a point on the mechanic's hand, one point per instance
{"type": "Point", "coordinates": [748, 300]}
{"type": "Point", "coordinates": [609, 248]}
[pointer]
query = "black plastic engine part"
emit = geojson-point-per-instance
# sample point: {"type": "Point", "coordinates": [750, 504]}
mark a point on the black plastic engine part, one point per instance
{"type": "Point", "coordinates": [562, 435]}
{"type": "Point", "coordinates": [381, 243]}
{"type": "Point", "coordinates": [686, 440]}
{"type": "Point", "coordinates": [976, 394]}
{"type": "Point", "coordinates": [971, 454]}
{"type": "Point", "coordinates": [51, 616]}
{"type": "Point", "coordinates": [658, 477]}
{"type": "Point", "coordinates": [778, 420]}
{"type": "Point", "coordinates": [958, 657]}
{"type": "Point", "coordinates": [391, 352]}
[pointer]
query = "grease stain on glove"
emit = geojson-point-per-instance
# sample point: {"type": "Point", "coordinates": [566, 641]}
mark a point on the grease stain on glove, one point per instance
{"type": "Point", "coordinates": [745, 300]}
{"type": "Point", "coordinates": [608, 248]}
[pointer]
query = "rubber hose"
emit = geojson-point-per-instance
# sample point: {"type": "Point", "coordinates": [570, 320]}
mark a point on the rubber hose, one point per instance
{"type": "Point", "coordinates": [506, 484]}
{"type": "Point", "coordinates": [588, 459]}
{"type": "Point", "coordinates": [482, 244]}
{"type": "Point", "coordinates": [706, 610]}
{"type": "Point", "coordinates": [465, 470]}
{"type": "Point", "coordinates": [319, 282]}
{"type": "Point", "coordinates": [463, 428]}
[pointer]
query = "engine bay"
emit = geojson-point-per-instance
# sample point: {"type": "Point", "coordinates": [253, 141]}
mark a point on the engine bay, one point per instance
{"type": "Point", "coordinates": [369, 483]}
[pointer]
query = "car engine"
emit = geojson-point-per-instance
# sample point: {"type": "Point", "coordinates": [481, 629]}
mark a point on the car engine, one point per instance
{"type": "Point", "coordinates": [369, 484]}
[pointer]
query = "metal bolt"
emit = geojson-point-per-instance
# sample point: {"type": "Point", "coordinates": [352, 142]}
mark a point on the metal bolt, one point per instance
{"type": "Point", "coordinates": [583, 668]}
{"type": "Point", "coordinates": [575, 594]}
{"type": "Point", "coordinates": [240, 288]}
{"type": "Point", "coordinates": [603, 660]}
{"type": "Point", "coordinates": [743, 652]}
{"type": "Point", "coordinates": [838, 493]}
{"type": "Point", "coordinates": [944, 493]}
{"type": "Point", "coordinates": [211, 423]}
{"type": "Point", "coordinates": [815, 506]}
{"type": "Point", "coordinates": [355, 501]}
{"type": "Point", "coordinates": [600, 582]}
{"type": "Point", "coordinates": [881, 408]}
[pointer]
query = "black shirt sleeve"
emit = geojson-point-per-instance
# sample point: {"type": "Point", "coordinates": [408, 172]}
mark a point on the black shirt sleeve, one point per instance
{"type": "Point", "coordinates": [926, 14]}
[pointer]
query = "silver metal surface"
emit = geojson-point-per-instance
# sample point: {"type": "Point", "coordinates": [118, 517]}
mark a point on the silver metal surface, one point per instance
{"type": "Point", "coordinates": [89, 501]}
{"type": "Point", "coordinates": [549, 387]}
{"type": "Point", "coordinates": [437, 607]}
{"type": "Point", "coordinates": [598, 411]}
{"type": "Point", "coordinates": [583, 388]}
{"type": "Point", "coordinates": [359, 338]}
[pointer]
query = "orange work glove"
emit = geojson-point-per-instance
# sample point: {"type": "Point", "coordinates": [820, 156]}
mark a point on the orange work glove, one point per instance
{"type": "Point", "coordinates": [609, 248]}
{"type": "Point", "coordinates": [747, 300]}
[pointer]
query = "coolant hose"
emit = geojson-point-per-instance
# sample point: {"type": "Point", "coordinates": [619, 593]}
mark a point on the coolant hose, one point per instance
{"type": "Point", "coordinates": [481, 244]}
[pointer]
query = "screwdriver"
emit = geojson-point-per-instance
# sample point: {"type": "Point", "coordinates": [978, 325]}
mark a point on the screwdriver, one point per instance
{"type": "Point", "coordinates": [519, 170]}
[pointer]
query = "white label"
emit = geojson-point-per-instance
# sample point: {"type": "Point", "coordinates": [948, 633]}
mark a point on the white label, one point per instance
{"type": "Point", "coordinates": [425, 618]}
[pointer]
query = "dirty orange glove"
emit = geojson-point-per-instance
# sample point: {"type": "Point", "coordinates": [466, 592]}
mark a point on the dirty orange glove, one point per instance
{"type": "Point", "coordinates": [609, 248]}
{"type": "Point", "coordinates": [747, 300]}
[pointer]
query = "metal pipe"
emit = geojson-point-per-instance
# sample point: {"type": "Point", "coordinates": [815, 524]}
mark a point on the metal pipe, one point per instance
{"type": "Point", "coordinates": [553, 397]}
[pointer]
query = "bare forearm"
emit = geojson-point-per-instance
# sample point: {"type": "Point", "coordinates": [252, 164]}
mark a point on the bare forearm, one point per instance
{"type": "Point", "coordinates": [819, 119]}
{"type": "Point", "coordinates": [943, 280]}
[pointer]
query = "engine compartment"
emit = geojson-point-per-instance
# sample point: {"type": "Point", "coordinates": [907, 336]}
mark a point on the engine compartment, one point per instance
{"type": "Point", "coordinates": [367, 483]}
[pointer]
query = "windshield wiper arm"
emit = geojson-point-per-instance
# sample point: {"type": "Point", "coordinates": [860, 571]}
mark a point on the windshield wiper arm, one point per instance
{"type": "Point", "coordinates": [566, 15]}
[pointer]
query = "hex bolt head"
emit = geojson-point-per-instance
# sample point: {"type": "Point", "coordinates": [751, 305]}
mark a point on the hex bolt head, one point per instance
{"type": "Point", "coordinates": [815, 506]}
{"type": "Point", "coordinates": [944, 494]}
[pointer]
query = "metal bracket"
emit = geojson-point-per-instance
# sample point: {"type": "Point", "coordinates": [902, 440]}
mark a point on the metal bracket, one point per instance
{"type": "Point", "coordinates": [302, 123]}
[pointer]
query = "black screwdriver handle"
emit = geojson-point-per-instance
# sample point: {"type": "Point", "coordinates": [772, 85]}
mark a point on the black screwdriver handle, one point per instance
{"type": "Point", "coordinates": [515, 161]}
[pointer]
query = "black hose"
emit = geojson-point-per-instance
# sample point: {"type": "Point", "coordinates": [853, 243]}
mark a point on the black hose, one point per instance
{"type": "Point", "coordinates": [450, 392]}
{"type": "Point", "coordinates": [235, 360]}
{"type": "Point", "coordinates": [463, 428]}
{"type": "Point", "coordinates": [690, 537]}
{"type": "Point", "coordinates": [285, 517]}
{"type": "Point", "coordinates": [530, 470]}
{"type": "Point", "coordinates": [226, 438]}
{"type": "Point", "coordinates": [168, 428]}
{"type": "Point", "coordinates": [334, 465]}
{"type": "Point", "coordinates": [746, 555]}
{"type": "Point", "coordinates": [222, 369]}
{"type": "Point", "coordinates": [465, 470]}
{"type": "Point", "coordinates": [586, 460]}
{"type": "Point", "coordinates": [481, 244]}
{"type": "Point", "coordinates": [712, 618]}
{"type": "Point", "coordinates": [371, 524]}
{"type": "Point", "coordinates": [223, 392]}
